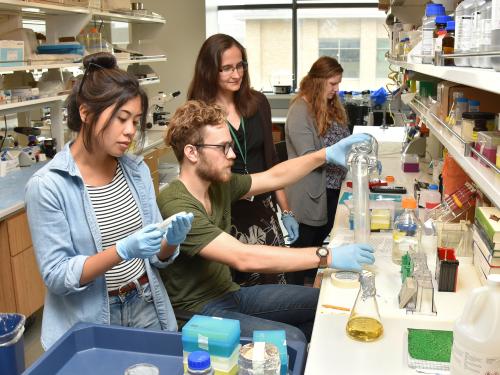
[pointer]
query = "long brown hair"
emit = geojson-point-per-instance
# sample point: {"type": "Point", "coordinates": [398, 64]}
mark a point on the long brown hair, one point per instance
{"type": "Point", "coordinates": [312, 88]}
{"type": "Point", "coordinates": [204, 85]}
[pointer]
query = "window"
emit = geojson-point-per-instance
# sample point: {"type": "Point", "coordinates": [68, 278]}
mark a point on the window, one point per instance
{"type": "Point", "coordinates": [346, 51]}
{"type": "Point", "coordinates": [382, 65]}
{"type": "Point", "coordinates": [284, 37]}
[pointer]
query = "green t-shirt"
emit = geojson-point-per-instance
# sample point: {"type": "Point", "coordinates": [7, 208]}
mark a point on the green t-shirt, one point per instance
{"type": "Point", "coordinates": [191, 280]}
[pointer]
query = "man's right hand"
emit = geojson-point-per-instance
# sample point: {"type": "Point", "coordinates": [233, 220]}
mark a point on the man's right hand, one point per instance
{"type": "Point", "coordinates": [336, 153]}
{"type": "Point", "coordinates": [142, 244]}
{"type": "Point", "coordinates": [352, 257]}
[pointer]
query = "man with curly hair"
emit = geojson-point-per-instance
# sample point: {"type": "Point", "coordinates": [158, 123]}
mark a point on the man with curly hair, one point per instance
{"type": "Point", "coordinates": [200, 278]}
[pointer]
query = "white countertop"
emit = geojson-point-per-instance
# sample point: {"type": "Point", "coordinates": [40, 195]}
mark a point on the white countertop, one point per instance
{"type": "Point", "coordinates": [331, 351]}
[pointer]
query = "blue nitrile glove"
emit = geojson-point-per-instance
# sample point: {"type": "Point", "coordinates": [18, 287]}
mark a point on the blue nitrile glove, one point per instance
{"type": "Point", "coordinates": [352, 257]}
{"type": "Point", "coordinates": [142, 244]}
{"type": "Point", "coordinates": [178, 228]}
{"type": "Point", "coordinates": [291, 226]}
{"type": "Point", "coordinates": [335, 154]}
{"type": "Point", "coordinates": [379, 167]}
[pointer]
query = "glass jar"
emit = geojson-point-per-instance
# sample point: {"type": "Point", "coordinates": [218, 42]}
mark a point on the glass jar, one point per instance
{"type": "Point", "coordinates": [472, 122]}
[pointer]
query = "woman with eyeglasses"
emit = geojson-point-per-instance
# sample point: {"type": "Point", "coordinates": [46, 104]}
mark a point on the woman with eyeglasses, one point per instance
{"type": "Point", "coordinates": [316, 119]}
{"type": "Point", "coordinates": [221, 77]}
{"type": "Point", "coordinates": [93, 215]}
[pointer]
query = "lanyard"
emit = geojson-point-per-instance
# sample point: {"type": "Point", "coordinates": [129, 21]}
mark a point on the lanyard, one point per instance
{"type": "Point", "coordinates": [243, 152]}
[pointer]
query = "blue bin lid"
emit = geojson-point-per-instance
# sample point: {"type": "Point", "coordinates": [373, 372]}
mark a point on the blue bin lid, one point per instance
{"type": "Point", "coordinates": [10, 324]}
{"type": "Point", "coordinates": [199, 360]}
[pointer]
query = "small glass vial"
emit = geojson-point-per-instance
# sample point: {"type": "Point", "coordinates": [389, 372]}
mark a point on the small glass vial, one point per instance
{"type": "Point", "coordinates": [364, 324]}
{"type": "Point", "coordinates": [199, 363]}
{"type": "Point", "coordinates": [474, 105]}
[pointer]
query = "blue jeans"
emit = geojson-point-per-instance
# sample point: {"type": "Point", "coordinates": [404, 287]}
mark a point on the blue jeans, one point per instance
{"type": "Point", "coordinates": [269, 307]}
{"type": "Point", "coordinates": [134, 309]}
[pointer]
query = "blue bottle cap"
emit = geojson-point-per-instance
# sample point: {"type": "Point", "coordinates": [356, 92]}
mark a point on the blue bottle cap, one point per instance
{"type": "Point", "coordinates": [474, 102]}
{"type": "Point", "coordinates": [462, 100]}
{"type": "Point", "coordinates": [450, 25]}
{"type": "Point", "coordinates": [434, 10]}
{"type": "Point", "coordinates": [199, 360]}
{"type": "Point", "coordinates": [433, 187]}
{"type": "Point", "coordinates": [443, 19]}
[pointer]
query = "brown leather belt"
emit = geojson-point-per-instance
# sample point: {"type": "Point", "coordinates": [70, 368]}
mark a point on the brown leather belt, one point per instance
{"type": "Point", "coordinates": [124, 289]}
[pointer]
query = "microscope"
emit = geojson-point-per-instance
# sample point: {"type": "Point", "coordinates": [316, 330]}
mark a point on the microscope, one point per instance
{"type": "Point", "coordinates": [156, 112]}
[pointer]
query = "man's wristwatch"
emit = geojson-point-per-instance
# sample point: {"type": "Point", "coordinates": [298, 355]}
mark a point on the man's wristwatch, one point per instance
{"type": "Point", "coordinates": [322, 253]}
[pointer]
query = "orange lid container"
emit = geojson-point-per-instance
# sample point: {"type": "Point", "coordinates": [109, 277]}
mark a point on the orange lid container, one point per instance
{"type": "Point", "coordinates": [409, 202]}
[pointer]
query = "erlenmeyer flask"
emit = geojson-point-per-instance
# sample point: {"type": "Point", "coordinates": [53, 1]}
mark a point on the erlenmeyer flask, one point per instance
{"type": "Point", "coordinates": [364, 323]}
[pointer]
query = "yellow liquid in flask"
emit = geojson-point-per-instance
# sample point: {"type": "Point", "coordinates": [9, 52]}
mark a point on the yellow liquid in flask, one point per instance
{"type": "Point", "coordinates": [364, 329]}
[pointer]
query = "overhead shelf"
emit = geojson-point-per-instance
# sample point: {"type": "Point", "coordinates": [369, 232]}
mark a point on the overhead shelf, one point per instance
{"type": "Point", "coordinates": [406, 11]}
{"type": "Point", "coordinates": [483, 79]}
{"type": "Point", "coordinates": [39, 10]}
{"type": "Point", "coordinates": [41, 65]}
{"type": "Point", "coordinates": [27, 105]}
{"type": "Point", "coordinates": [486, 179]}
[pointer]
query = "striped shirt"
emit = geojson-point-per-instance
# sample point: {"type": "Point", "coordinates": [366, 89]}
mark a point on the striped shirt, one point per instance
{"type": "Point", "coordinates": [118, 216]}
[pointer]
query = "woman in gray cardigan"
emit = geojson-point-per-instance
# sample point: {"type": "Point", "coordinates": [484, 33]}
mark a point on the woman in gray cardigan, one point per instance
{"type": "Point", "coordinates": [316, 119]}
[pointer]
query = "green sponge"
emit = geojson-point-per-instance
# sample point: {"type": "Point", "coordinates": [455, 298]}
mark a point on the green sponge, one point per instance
{"type": "Point", "coordinates": [430, 345]}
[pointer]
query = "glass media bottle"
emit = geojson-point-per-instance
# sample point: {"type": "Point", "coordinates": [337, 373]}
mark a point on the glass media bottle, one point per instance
{"type": "Point", "coordinates": [364, 323]}
{"type": "Point", "coordinates": [406, 232]}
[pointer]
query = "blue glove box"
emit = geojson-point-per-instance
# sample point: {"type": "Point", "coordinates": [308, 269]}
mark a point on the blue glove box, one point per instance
{"type": "Point", "coordinates": [217, 336]}
{"type": "Point", "coordinates": [103, 350]}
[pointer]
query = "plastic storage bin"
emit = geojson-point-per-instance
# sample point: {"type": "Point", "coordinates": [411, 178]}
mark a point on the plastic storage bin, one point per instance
{"type": "Point", "coordinates": [410, 163]}
{"type": "Point", "coordinates": [11, 344]}
{"type": "Point", "coordinates": [103, 350]}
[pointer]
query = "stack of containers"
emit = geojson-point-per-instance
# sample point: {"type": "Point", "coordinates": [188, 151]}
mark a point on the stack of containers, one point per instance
{"type": "Point", "coordinates": [428, 25]}
{"type": "Point", "coordinates": [219, 337]}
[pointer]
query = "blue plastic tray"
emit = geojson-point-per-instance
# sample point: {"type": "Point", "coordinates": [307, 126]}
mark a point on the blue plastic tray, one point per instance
{"type": "Point", "coordinates": [101, 349]}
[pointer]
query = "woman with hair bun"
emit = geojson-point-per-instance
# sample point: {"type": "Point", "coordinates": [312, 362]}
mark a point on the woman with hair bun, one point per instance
{"type": "Point", "coordinates": [316, 119]}
{"type": "Point", "coordinates": [93, 215]}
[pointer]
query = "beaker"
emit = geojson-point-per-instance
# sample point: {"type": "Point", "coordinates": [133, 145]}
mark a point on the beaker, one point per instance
{"type": "Point", "coordinates": [362, 159]}
{"type": "Point", "coordinates": [364, 323]}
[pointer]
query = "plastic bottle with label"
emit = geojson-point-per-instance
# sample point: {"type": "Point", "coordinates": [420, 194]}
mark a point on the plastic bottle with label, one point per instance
{"type": "Point", "coordinates": [485, 35]}
{"type": "Point", "coordinates": [463, 30]}
{"type": "Point", "coordinates": [495, 33]}
{"type": "Point", "coordinates": [428, 26]}
{"type": "Point", "coordinates": [476, 334]}
{"type": "Point", "coordinates": [407, 231]}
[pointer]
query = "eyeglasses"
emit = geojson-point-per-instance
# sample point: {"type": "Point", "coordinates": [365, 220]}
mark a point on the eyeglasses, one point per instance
{"type": "Point", "coordinates": [229, 69]}
{"type": "Point", "coordinates": [225, 146]}
{"type": "Point", "coordinates": [86, 73]}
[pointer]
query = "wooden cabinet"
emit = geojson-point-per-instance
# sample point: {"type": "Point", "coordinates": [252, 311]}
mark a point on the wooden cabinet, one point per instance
{"type": "Point", "coordinates": [22, 289]}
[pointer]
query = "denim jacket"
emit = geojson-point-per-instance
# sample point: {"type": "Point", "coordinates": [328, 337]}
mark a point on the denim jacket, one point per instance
{"type": "Point", "coordinates": [65, 233]}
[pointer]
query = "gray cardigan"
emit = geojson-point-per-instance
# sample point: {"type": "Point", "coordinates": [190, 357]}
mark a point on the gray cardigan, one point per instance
{"type": "Point", "coordinates": [307, 197]}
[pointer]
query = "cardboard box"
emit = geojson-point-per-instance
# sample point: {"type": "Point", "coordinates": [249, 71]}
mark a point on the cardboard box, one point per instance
{"type": "Point", "coordinates": [95, 4]}
{"type": "Point", "coordinates": [116, 5]}
{"type": "Point", "coordinates": [489, 102]}
{"type": "Point", "coordinates": [11, 53]}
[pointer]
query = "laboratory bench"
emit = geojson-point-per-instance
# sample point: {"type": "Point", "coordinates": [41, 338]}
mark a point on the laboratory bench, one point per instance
{"type": "Point", "coordinates": [331, 351]}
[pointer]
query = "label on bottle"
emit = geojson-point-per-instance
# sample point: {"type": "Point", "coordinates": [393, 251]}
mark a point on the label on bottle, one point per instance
{"type": "Point", "coordinates": [465, 361]}
{"type": "Point", "coordinates": [495, 14]}
{"type": "Point", "coordinates": [466, 30]}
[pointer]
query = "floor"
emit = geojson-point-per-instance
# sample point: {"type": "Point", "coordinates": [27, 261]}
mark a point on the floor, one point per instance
{"type": "Point", "coordinates": [32, 346]}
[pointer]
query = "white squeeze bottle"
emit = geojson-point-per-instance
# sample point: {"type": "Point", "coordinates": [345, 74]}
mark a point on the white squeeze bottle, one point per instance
{"type": "Point", "coordinates": [476, 334]}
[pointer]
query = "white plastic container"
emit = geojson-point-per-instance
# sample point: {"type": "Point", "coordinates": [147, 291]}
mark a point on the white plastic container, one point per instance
{"type": "Point", "coordinates": [476, 334]}
{"type": "Point", "coordinates": [463, 30]}
{"type": "Point", "coordinates": [495, 33]}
